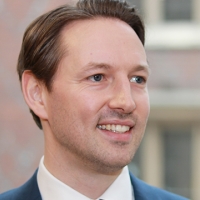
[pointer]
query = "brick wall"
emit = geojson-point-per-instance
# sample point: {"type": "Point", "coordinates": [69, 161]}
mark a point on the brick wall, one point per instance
{"type": "Point", "coordinates": [21, 142]}
{"type": "Point", "coordinates": [174, 69]}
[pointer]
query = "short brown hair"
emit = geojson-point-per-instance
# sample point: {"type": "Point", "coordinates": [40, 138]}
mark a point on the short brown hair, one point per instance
{"type": "Point", "coordinates": [41, 53]}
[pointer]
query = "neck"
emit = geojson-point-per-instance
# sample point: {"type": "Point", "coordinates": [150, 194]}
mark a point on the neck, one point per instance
{"type": "Point", "coordinates": [78, 175]}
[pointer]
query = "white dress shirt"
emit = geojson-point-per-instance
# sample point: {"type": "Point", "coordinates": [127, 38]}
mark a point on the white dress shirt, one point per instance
{"type": "Point", "coordinates": [51, 188]}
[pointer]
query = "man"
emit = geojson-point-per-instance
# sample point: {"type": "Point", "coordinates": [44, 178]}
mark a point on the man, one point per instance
{"type": "Point", "coordinates": [84, 72]}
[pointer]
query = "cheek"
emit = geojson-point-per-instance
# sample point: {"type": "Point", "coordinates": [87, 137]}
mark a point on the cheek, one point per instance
{"type": "Point", "coordinates": [58, 106]}
{"type": "Point", "coordinates": [83, 109]}
{"type": "Point", "coordinates": [143, 105]}
{"type": "Point", "coordinates": [89, 103]}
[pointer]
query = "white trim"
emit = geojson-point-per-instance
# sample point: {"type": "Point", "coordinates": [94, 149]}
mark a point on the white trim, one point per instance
{"type": "Point", "coordinates": [196, 13]}
{"type": "Point", "coordinates": [173, 36]}
{"type": "Point", "coordinates": [155, 15]}
{"type": "Point", "coordinates": [175, 98]}
{"type": "Point", "coordinates": [152, 154]}
{"type": "Point", "coordinates": [195, 182]}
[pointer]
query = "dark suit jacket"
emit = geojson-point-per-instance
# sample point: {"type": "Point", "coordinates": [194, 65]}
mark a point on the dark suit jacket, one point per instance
{"type": "Point", "coordinates": [142, 191]}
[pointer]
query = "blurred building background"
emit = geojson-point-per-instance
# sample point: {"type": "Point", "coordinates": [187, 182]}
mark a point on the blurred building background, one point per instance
{"type": "Point", "coordinates": [169, 154]}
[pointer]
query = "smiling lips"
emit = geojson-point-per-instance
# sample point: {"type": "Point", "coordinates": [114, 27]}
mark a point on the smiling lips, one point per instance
{"type": "Point", "coordinates": [115, 128]}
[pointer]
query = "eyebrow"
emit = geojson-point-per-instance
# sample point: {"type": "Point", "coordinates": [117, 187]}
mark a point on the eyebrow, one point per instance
{"type": "Point", "coordinates": [143, 68]}
{"type": "Point", "coordinates": [94, 65]}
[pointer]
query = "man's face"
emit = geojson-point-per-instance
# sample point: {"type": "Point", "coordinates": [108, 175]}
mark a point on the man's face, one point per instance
{"type": "Point", "coordinates": [98, 106]}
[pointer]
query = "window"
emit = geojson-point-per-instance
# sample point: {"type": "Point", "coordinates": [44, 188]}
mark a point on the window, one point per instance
{"type": "Point", "coordinates": [177, 155]}
{"type": "Point", "coordinates": [177, 10]}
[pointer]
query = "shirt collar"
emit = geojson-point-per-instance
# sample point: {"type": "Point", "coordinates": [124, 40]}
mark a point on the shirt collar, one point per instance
{"type": "Point", "coordinates": [51, 188]}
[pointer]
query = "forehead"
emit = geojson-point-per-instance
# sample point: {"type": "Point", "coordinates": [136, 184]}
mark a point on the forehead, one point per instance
{"type": "Point", "coordinates": [102, 40]}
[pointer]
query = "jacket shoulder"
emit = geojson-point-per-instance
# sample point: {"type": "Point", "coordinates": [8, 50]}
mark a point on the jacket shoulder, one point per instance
{"type": "Point", "coordinates": [143, 191]}
{"type": "Point", "coordinates": [28, 191]}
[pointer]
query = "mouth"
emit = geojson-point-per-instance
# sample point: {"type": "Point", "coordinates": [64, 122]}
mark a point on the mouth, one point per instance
{"type": "Point", "coordinates": [114, 128]}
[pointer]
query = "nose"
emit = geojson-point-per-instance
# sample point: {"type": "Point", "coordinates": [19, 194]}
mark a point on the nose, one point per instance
{"type": "Point", "coordinates": [122, 97]}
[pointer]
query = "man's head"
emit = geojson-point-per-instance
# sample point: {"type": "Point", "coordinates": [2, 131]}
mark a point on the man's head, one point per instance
{"type": "Point", "coordinates": [42, 48]}
{"type": "Point", "coordinates": [94, 105]}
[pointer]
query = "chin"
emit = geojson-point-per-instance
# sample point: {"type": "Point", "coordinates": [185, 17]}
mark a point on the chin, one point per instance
{"type": "Point", "coordinates": [113, 166]}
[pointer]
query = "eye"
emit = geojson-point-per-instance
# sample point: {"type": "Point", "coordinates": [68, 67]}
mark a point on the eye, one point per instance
{"type": "Point", "coordinates": [96, 78]}
{"type": "Point", "coordinates": [138, 79]}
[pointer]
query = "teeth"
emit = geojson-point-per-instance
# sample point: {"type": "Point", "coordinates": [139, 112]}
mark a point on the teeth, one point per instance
{"type": "Point", "coordinates": [114, 128]}
{"type": "Point", "coordinates": [107, 127]}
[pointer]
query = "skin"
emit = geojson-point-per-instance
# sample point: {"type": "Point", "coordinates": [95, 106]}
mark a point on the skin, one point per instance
{"type": "Point", "coordinates": [102, 80]}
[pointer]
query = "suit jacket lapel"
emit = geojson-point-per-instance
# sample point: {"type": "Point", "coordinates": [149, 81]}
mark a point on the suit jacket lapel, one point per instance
{"type": "Point", "coordinates": [138, 188]}
{"type": "Point", "coordinates": [30, 189]}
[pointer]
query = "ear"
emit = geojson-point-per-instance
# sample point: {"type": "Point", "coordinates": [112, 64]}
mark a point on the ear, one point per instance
{"type": "Point", "coordinates": [34, 91]}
